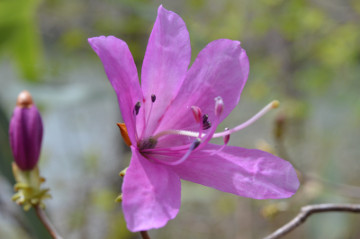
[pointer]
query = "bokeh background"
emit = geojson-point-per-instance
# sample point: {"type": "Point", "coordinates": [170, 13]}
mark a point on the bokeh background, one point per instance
{"type": "Point", "coordinates": [305, 53]}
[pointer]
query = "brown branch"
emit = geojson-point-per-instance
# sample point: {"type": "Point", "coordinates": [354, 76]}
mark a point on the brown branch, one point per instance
{"type": "Point", "coordinates": [144, 235]}
{"type": "Point", "coordinates": [307, 211]}
{"type": "Point", "coordinates": [45, 220]}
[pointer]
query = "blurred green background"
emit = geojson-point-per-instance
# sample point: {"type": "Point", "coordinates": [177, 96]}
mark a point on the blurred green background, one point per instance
{"type": "Point", "coordinates": [304, 53]}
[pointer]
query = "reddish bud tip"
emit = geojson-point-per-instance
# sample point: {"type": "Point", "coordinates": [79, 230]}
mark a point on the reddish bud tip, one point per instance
{"type": "Point", "coordinates": [24, 99]}
{"type": "Point", "coordinates": [25, 132]}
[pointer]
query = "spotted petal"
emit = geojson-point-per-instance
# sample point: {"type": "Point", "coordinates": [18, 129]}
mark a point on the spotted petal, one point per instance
{"type": "Point", "coordinates": [151, 194]}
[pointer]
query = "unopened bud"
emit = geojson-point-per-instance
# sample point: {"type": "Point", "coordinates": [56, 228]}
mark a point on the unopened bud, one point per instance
{"type": "Point", "coordinates": [25, 132]}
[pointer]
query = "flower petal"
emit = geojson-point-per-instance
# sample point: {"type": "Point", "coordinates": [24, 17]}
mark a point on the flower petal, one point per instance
{"type": "Point", "coordinates": [221, 69]}
{"type": "Point", "coordinates": [244, 172]}
{"type": "Point", "coordinates": [166, 62]}
{"type": "Point", "coordinates": [151, 194]}
{"type": "Point", "coordinates": [120, 68]}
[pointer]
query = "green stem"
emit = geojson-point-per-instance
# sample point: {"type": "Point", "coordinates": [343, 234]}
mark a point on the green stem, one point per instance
{"type": "Point", "coordinates": [45, 220]}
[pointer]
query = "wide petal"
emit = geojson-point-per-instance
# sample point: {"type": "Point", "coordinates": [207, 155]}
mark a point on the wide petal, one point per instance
{"type": "Point", "coordinates": [166, 62]}
{"type": "Point", "coordinates": [120, 68]}
{"type": "Point", "coordinates": [151, 194]}
{"type": "Point", "coordinates": [244, 172]}
{"type": "Point", "coordinates": [221, 69]}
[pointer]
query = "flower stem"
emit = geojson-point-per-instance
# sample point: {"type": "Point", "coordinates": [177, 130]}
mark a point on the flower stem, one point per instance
{"type": "Point", "coordinates": [144, 235]}
{"type": "Point", "coordinates": [45, 220]}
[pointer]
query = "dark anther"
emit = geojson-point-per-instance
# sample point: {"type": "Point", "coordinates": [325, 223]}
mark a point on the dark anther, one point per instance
{"type": "Point", "coordinates": [195, 144]}
{"type": "Point", "coordinates": [148, 143]}
{"type": "Point", "coordinates": [205, 122]}
{"type": "Point", "coordinates": [153, 98]}
{"type": "Point", "coordinates": [137, 108]}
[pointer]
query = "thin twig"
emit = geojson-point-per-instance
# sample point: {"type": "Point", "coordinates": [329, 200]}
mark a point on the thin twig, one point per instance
{"type": "Point", "coordinates": [45, 220]}
{"type": "Point", "coordinates": [307, 211]}
{"type": "Point", "coordinates": [144, 235]}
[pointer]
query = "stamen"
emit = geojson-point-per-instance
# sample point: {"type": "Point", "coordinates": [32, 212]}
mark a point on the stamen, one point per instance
{"type": "Point", "coordinates": [272, 105]}
{"type": "Point", "coordinates": [192, 147]}
{"type": "Point", "coordinates": [206, 124]}
{"type": "Point", "coordinates": [146, 120]}
{"type": "Point", "coordinates": [226, 141]}
{"type": "Point", "coordinates": [153, 98]}
{"type": "Point", "coordinates": [212, 130]}
{"type": "Point", "coordinates": [219, 105]}
{"type": "Point", "coordinates": [197, 113]}
{"type": "Point", "coordinates": [198, 118]}
{"type": "Point", "coordinates": [226, 137]}
{"type": "Point", "coordinates": [137, 108]}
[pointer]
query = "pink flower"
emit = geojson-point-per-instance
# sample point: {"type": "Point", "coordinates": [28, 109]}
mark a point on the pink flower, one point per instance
{"type": "Point", "coordinates": [172, 116]}
{"type": "Point", "coordinates": [25, 132]}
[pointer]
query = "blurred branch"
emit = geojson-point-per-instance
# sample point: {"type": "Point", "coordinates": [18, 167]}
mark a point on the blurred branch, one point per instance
{"type": "Point", "coordinates": [309, 210]}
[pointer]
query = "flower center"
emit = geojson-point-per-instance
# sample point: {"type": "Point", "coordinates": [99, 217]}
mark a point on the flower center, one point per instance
{"type": "Point", "coordinates": [147, 146]}
{"type": "Point", "coordinates": [148, 143]}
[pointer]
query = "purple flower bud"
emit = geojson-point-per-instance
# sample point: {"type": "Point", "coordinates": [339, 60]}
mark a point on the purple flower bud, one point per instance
{"type": "Point", "coordinates": [25, 132]}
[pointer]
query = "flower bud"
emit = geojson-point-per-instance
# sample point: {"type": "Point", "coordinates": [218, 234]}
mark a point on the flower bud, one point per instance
{"type": "Point", "coordinates": [25, 132]}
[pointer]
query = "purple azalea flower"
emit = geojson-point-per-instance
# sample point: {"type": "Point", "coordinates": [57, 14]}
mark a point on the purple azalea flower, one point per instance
{"type": "Point", "coordinates": [25, 132]}
{"type": "Point", "coordinates": [172, 116]}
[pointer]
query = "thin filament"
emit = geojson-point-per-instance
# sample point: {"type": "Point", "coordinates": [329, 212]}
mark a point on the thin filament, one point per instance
{"type": "Point", "coordinates": [146, 120]}
{"type": "Point", "coordinates": [267, 108]}
{"type": "Point", "coordinates": [262, 112]}
{"type": "Point", "coordinates": [192, 147]}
